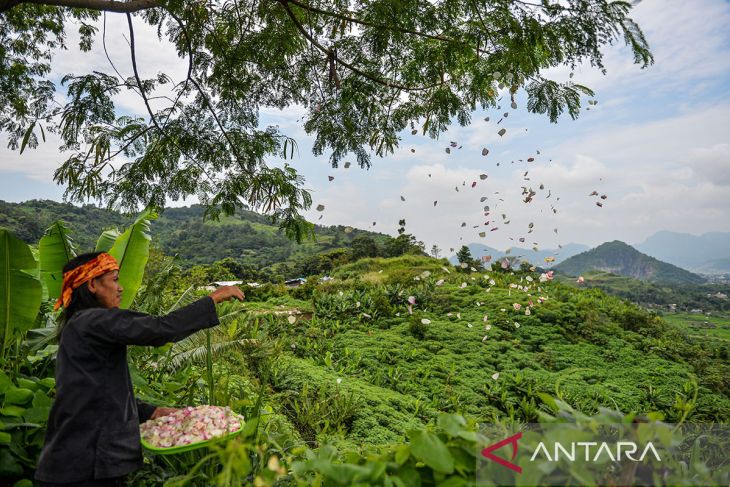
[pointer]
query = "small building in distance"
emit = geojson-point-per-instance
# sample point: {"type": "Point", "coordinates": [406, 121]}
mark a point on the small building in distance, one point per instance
{"type": "Point", "coordinates": [216, 284]}
{"type": "Point", "coordinates": [295, 282]}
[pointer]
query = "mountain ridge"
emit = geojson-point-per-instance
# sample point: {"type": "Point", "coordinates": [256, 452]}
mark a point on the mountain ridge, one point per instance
{"type": "Point", "coordinates": [622, 259]}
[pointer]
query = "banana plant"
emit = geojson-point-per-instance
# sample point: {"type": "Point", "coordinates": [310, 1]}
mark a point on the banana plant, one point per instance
{"type": "Point", "coordinates": [132, 249]}
{"type": "Point", "coordinates": [106, 240]}
{"type": "Point", "coordinates": [20, 291]}
{"type": "Point", "coordinates": [55, 249]}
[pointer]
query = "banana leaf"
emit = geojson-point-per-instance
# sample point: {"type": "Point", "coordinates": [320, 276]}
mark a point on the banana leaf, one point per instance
{"type": "Point", "coordinates": [20, 292]}
{"type": "Point", "coordinates": [55, 249]}
{"type": "Point", "coordinates": [106, 240]}
{"type": "Point", "coordinates": [132, 249]}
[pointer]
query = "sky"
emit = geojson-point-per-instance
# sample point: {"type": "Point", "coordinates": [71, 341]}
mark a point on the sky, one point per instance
{"type": "Point", "coordinates": [657, 145]}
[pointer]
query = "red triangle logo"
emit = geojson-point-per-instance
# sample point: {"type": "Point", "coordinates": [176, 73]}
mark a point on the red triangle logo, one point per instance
{"type": "Point", "coordinates": [487, 452]}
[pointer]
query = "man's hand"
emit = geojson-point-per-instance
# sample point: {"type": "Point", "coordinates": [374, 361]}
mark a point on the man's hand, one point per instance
{"type": "Point", "coordinates": [159, 412]}
{"type": "Point", "coordinates": [226, 293]}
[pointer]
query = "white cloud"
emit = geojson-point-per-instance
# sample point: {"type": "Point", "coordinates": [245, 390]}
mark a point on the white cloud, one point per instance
{"type": "Point", "coordinates": [711, 164]}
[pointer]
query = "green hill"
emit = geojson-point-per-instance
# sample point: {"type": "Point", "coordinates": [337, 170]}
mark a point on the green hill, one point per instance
{"type": "Point", "coordinates": [619, 258]}
{"type": "Point", "coordinates": [247, 237]}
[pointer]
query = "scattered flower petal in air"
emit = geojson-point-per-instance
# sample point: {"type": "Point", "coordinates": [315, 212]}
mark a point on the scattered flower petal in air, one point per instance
{"type": "Point", "coordinates": [495, 376]}
{"type": "Point", "coordinates": [580, 280]}
{"type": "Point", "coordinates": [412, 299]}
{"type": "Point", "coordinates": [502, 132]}
{"type": "Point", "coordinates": [439, 282]}
{"type": "Point", "coordinates": [517, 306]}
{"type": "Point", "coordinates": [320, 207]}
{"type": "Point", "coordinates": [292, 319]}
{"type": "Point", "coordinates": [347, 165]}
{"type": "Point", "coordinates": [330, 178]}
{"type": "Point", "coordinates": [425, 321]}
{"type": "Point", "coordinates": [463, 285]}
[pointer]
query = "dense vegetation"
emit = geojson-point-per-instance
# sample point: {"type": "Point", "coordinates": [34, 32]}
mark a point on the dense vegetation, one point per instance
{"type": "Point", "coordinates": [351, 379]}
{"type": "Point", "coordinates": [242, 246]}
{"type": "Point", "coordinates": [657, 296]}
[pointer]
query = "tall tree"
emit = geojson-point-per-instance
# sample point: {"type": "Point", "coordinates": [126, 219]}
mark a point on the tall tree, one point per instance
{"type": "Point", "coordinates": [464, 255]}
{"type": "Point", "coordinates": [363, 70]}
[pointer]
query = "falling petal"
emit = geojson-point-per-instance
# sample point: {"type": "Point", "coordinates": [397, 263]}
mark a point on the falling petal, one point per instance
{"type": "Point", "coordinates": [448, 151]}
{"type": "Point", "coordinates": [495, 376]}
{"type": "Point", "coordinates": [425, 321]}
{"type": "Point", "coordinates": [320, 207]}
{"type": "Point", "coordinates": [347, 165]}
{"type": "Point", "coordinates": [291, 319]}
{"type": "Point", "coordinates": [402, 198]}
{"type": "Point", "coordinates": [330, 178]}
{"type": "Point", "coordinates": [502, 132]}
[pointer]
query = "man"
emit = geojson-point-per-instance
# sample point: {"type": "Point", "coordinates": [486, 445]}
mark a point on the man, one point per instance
{"type": "Point", "coordinates": [93, 428]}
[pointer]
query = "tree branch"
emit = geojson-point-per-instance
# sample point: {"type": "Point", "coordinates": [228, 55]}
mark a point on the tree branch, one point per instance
{"type": "Point", "coordinates": [101, 5]}
{"type": "Point", "coordinates": [328, 52]}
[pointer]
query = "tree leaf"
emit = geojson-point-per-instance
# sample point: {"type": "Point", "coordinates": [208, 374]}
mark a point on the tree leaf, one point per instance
{"type": "Point", "coordinates": [106, 240]}
{"type": "Point", "coordinates": [26, 137]}
{"type": "Point", "coordinates": [55, 249]}
{"type": "Point", "coordinates": [20, 292]}
{"type": "Point", "coordinates": [131, 249]}
{"type": "Point", "coordinates": [428, 448]}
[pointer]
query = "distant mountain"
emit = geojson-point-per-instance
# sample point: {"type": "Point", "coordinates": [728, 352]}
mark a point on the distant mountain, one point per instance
{"type": "Point", "coordinates": [619, 258]}
{"type": "Point", "coordinates": [534, 257]}
{"type": "Point", "coordinates": [714, 267]}
{"type": "Point", "coordinates": [708, 253]}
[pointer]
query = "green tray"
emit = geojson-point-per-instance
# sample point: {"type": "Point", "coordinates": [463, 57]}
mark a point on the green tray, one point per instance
{"type": "Point", "coordinates": [192, 446]}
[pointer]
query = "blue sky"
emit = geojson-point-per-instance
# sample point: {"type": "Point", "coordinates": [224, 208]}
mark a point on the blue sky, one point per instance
{"type": "Point", "coordinates": [657, 145]}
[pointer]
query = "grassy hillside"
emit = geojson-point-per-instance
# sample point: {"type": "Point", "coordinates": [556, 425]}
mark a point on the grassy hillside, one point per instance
{"type": "Point", "coordinates": [356, 353]}
{"type": "Point", "coordinates": [619, 258]}
{"type": "Point", "coordinates": [247, 237]}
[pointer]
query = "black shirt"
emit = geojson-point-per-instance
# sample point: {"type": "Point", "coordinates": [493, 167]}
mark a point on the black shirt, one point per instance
{"type": "Point", "coordinates": [93, 427]}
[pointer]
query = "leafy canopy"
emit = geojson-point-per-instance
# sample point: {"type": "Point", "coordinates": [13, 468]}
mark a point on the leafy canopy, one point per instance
{"type": "Point", "coordinates": [363, 71]}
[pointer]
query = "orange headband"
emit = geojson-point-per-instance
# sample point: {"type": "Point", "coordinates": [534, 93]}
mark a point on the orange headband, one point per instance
{"type": "Point", "coordinates": [76, 277]}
